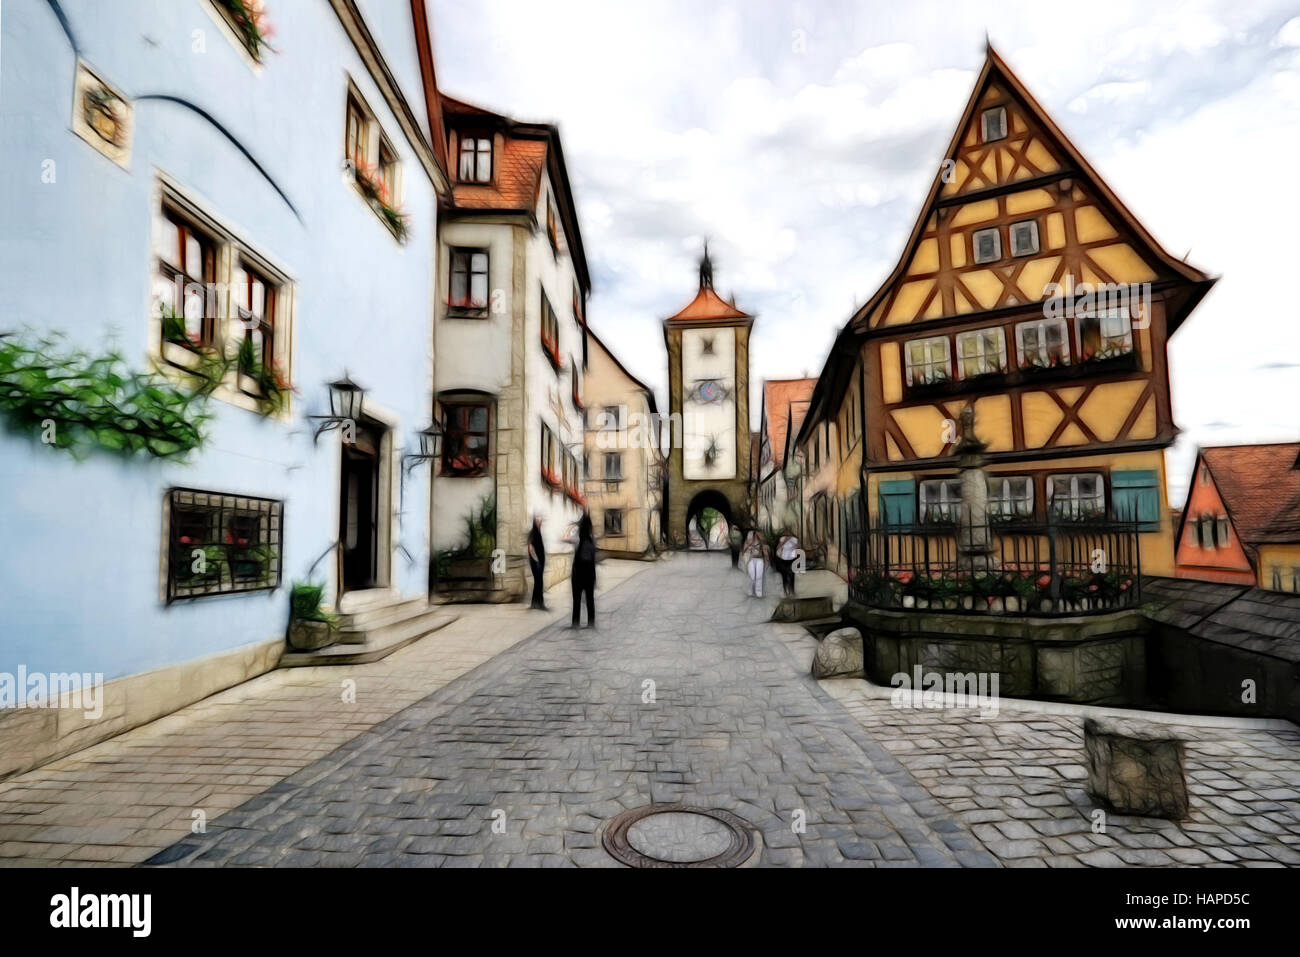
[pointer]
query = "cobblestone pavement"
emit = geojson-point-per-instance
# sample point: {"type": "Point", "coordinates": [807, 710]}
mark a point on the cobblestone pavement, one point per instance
{"type": "Point", "coordinates": [122, 801]}
{"type": "Point", "coordinates": [558, 734]}
{"type": "Point", "coordinates": [1018, 780]}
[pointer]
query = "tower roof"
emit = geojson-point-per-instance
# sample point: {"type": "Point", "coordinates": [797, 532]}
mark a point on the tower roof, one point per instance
{"type": "Point", "coordinates": [707, 304]}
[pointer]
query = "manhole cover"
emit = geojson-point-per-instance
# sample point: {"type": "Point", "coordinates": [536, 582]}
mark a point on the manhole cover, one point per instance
{"type": "Point", "coordinates": [672, 835]}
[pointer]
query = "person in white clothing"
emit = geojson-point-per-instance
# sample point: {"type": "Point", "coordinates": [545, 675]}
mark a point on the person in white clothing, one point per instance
{"type": "Point", "coordinates": [786, 552]}
{"type": "Point", "coordinates": [754, 556]}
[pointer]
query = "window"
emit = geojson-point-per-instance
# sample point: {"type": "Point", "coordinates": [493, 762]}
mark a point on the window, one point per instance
{"type": "Point", "coordinates": [466, 437]}
{"type": "Point", "coordinates": [1222, 531]}
{"type": "Point", "coordinates": [941, 500]}
{"type": "Point", "coordinates": [386, 170]}
{"type": "Point", "coordinates": [1010, 497]}
{"type": "Point", "coordinates": [186, 270]}
{"type": "Point", "coordinates": [613, 466]}
{"type": "Point", "coordinates": [549, 446]}
{"type": "Point", "coordinates": [1043, 344]}
{"type": "Point", "coordinates": [469, 280]}
{"type": "Point", "coordinates": [252, 299]}
{"type": "Point", "coordinates": [987, 245]}
{"type": "Point", "coordinates": [550, 332]}
{"type": "Point", "coordinates": [927, 361]}
{"type": "Point", "coordinates": [570, 473]}
{"type": "Point", "coordinates": [475, 159]}
{"type": "Point", "coordinates": [375, 168]}
{"type": "Point", "coordinates": [575, 387]}
{"type": "Point", "coordinates": [552, 232]}
{"type": "Point", "coordinates": [1076, 497]}
{"type": "Point", "coordinates": [1107, 334]}
{"type": "Point", "coordinates": [982, 352]}
{"type": "Point", "coordinates": [610, 418]}
{"type": "Point", "coordinates": [1024, 238]}
{"type": "Point", "coordinates": [613, 521]}
{"type": "Point", "coordinates": [356, 138]}
{"type": "Point", "coordinates": [221, 544]}
{"type": "Point", "coordinates": [993, 124]}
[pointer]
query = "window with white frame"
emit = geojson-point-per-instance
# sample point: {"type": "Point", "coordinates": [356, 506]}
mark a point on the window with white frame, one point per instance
{"type": "Point", "coordinates": [475, 159]}
{"type": "Point", "coordinates": [993, 124]}
{"type": "Point", "coordinates": [1024, 238]}
{"type": "Point", "coordinates": [986, 245]}
{"type": "Point", "coordinates": [941, 500]}
{"type": "Point", "coordinates": [981, 352]}
{"type": "Point", "coordinates": [928, 360]}
{"type": "Point", "coordinates": [1105, 334]}
{"type": "Point", "coordinates": [1043, 343]}
{"type": "Point", "coordinates": [1076, 497]}
{"type": "Point", "coordinates": [1010, 497]}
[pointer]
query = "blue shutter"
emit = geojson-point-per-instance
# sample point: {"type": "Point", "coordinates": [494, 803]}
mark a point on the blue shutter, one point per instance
{"type": "Point", "coordinates": [1135, 496]}
{"type": "Point", "coordinates": [898, 502]}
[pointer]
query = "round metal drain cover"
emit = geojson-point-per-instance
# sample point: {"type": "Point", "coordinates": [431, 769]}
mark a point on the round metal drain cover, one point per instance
{"type": "Point", "coordinates": [673, 835]}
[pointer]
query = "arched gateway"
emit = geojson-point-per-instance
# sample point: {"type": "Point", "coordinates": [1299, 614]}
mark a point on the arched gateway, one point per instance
{"type": "Point", "coordinates": [708, 394]}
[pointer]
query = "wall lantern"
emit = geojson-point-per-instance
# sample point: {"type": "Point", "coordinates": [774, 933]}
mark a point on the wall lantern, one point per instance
{"type": "Point", "coordinates": [430, 446]}
{"type": "Point", "coordinates": [347, 399]}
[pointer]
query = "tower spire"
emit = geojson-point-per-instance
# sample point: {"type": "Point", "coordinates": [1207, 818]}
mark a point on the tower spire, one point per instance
{"type": "Point", "coordinates": [706, 269]}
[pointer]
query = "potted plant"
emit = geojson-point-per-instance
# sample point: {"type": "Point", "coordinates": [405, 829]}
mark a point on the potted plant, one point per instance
{"type": "Point", "coordinates": [473, 560]}
{"type": "Point", "coordinates": [310, 626]}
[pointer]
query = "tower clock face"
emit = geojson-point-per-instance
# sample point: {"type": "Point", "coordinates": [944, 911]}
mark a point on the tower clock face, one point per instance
{"type": "Point", "coordinates": [709, 403]}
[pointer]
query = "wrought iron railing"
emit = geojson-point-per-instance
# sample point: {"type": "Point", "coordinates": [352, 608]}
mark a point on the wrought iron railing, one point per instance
{"type": "Point", "coordinates": [1058, 568]}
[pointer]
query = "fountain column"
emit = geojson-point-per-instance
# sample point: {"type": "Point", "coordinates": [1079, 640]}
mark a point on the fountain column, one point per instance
{"type": "Point", "coordinates": [974, 540]}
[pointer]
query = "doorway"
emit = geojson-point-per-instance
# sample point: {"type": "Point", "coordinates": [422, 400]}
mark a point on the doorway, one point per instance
{"type": "Point", "coordinates": [359, 497]}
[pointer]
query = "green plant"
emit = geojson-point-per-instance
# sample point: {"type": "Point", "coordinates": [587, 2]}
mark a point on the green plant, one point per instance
{"type": "Point", "coordinates": [480, 535]}
{"type": "Point", "coordinates": [76, 400]}
{"type": "Point", "coordinates": [305, 603]}
{"type": "Point", "coordinates": [273, 390]}
{"type": "Point", "coordinates": [248, 18]}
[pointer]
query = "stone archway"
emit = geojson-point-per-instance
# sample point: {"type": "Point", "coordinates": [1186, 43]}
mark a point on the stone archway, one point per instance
{"type": "Point", "coordinates": [709, 499]}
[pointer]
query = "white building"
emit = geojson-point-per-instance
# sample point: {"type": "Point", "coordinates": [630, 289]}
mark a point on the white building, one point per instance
{"type": "Point", "coordinates": [513, 286]}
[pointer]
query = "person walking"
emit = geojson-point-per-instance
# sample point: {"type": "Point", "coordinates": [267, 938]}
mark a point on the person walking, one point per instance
{"type": "Point", "coordinates": [754, 555]}
{"type": "Point", "coordinates": [584, 572]}
{"type": "Point", "coordinates": [734, 539]}
{"type": "Point", "coordinates": [786, 553]}
{"type": "Point", "coordinates": [537, 562]}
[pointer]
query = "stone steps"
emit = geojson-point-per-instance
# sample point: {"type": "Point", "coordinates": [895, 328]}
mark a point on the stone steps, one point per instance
{"type": "Point", "coordinates": [375, 634]}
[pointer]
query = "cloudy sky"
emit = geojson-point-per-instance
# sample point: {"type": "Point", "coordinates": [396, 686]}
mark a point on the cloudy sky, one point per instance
{"type": "Point", "coordinates": [801, 138]}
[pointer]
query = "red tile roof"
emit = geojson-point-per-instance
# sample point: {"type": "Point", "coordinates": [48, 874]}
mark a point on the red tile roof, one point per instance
{"type": "Point", "coordinates": [1260, 485]}
{"type": "Point", "coordinates": [517, 170]}
{"type": "Point", "coordinates": [708, 305]}
{"type": "Point", "coordinates": [785, 401]}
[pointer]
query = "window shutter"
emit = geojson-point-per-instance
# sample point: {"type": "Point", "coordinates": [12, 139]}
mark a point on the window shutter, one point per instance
{"type": "Point", "coordinates": [1135, 496]}
{"type": "Point", "coordinates": [898, 502]}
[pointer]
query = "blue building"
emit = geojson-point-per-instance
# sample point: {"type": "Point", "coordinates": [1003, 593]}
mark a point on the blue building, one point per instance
{"type": "Point", "coordinates": [184, 180]}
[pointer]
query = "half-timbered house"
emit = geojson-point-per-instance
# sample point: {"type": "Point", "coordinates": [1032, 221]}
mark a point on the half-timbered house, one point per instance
{"type": "Point", "coordinates": [1028, 291]}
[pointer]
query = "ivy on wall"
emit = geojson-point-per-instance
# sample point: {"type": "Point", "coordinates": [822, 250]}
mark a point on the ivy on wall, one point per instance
{"type": "Point", "coordinates": [72, 399]}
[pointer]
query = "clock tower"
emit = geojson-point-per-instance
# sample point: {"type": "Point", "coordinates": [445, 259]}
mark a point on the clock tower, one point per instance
{"type": "Point", "coordinates": [708, 391]}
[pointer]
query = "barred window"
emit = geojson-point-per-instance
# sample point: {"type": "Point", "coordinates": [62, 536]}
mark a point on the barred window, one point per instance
{"type": "Point", "coordinates": [614, 521]}
{"type": "Point", "coordinates": [221, 544]}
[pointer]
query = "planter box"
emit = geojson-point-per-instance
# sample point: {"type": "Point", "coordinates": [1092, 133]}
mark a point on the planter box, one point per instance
{"type": "Point", "coordinates": [469, 569]}
{"type": "Point", "coordinates": [311, 635]}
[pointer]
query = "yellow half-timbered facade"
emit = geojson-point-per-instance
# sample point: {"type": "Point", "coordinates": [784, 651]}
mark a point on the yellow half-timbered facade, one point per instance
{"type": "Point", "coordinates": [1029, 292]}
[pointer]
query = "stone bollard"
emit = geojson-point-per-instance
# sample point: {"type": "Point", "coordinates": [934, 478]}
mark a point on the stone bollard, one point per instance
{"type": "Point", "coordinates": [839, 655]}
{"type": "Point", "coordinates": [1135, 768]}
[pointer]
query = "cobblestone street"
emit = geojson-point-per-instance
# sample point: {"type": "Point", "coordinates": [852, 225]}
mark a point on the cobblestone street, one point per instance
{"type": "Point", "coordinates": [509, 739]}
{"type": "Point", "coordinates": [555, 733]}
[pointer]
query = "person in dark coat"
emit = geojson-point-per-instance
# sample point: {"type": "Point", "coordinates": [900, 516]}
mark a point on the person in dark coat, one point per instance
{"type": "Point", "coordinates": [584, 572]}
{"type": "Point", "coordinates": [537, 562]}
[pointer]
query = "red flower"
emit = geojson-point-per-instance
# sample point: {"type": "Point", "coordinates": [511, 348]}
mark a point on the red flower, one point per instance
{"type": "Point", "coordinates": [1044, 581]}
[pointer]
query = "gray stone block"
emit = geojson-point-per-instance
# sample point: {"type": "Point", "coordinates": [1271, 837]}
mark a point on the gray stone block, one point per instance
{"type": "Point", "coordinates": [1135, 768]}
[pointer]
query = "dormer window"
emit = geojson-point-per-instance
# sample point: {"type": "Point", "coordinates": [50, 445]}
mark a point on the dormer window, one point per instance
{"type": "Point", "coordinates": [987, 245]}
{"type": "Point", "coordinates": [475, 159]}
{"type": "Point", "coordinates": [1024, 238]}
{"type": "Point", "coordinates": [993, 124]}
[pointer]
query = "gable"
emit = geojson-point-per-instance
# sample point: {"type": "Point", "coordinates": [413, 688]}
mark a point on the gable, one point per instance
{"type": "Point", "coordinates": [1031, 177]}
